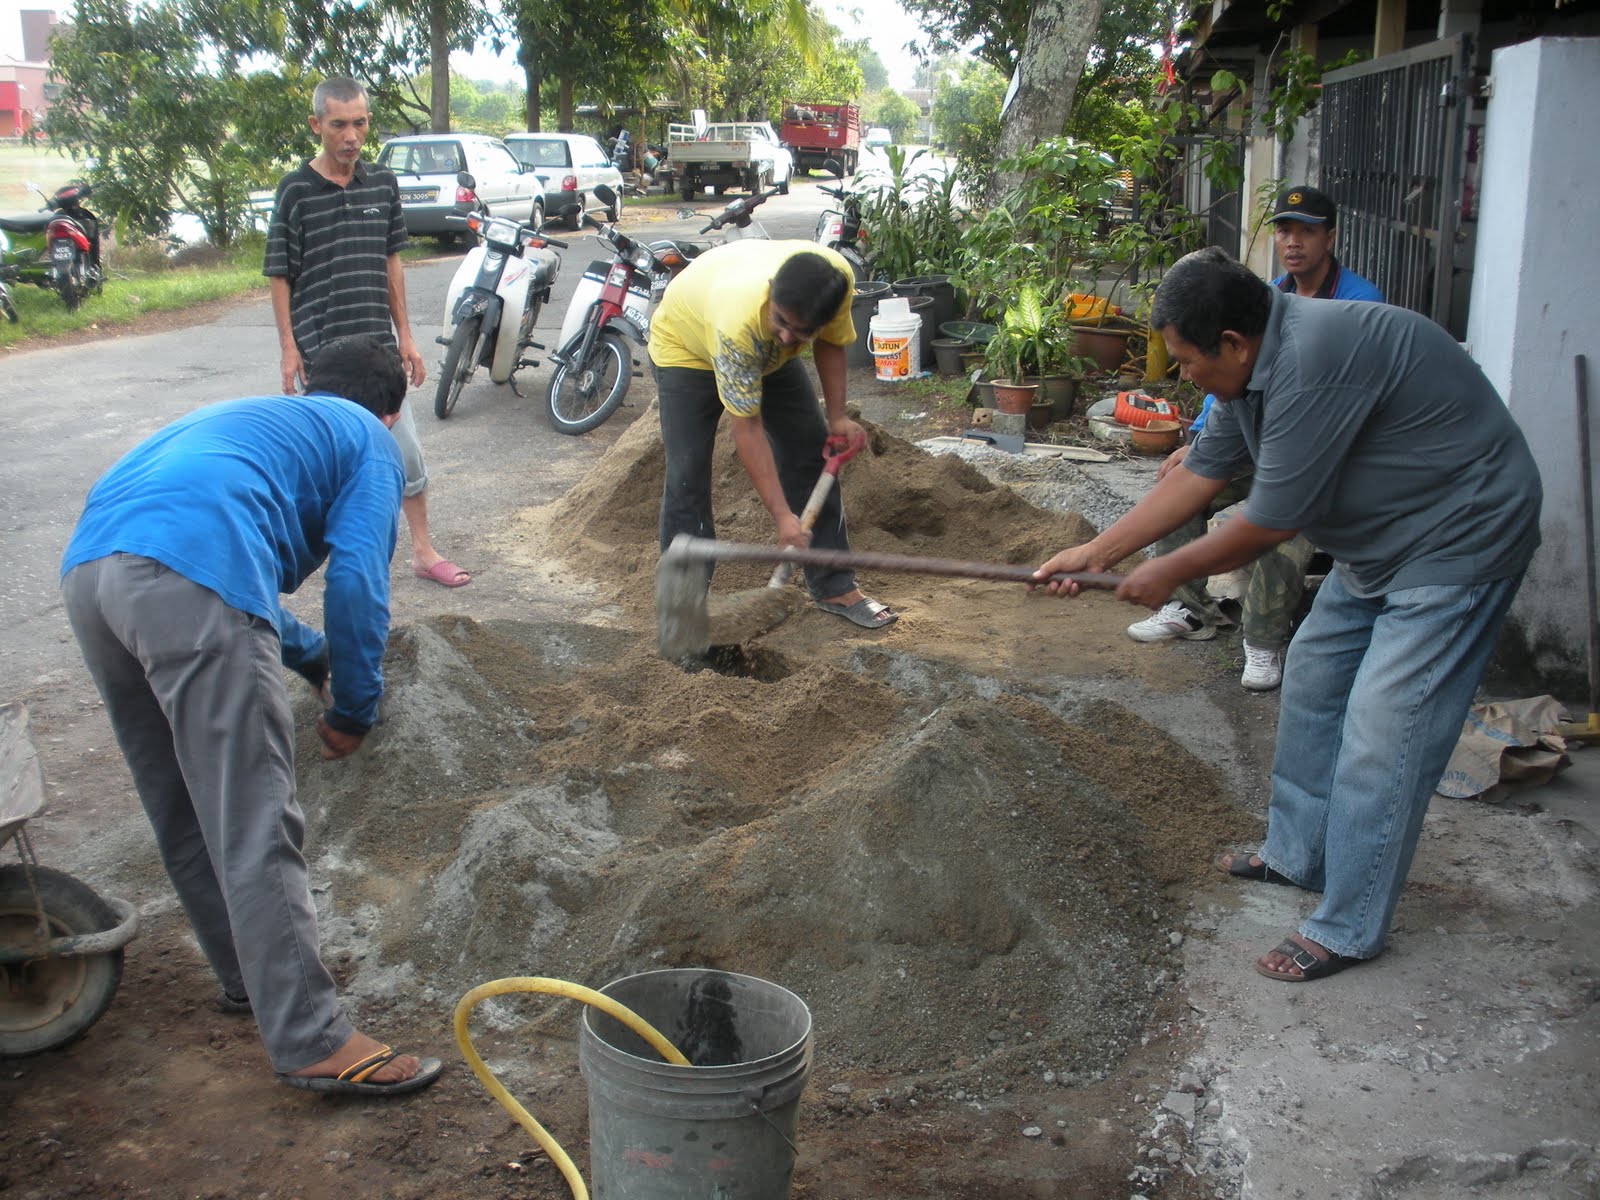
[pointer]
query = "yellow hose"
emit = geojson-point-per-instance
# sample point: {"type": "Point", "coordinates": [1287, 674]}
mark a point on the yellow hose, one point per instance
{"type": "Point", "coordinates": [549, 987]}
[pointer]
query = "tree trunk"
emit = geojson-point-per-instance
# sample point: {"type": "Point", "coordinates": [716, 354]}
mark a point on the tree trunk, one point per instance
{"type": "Point", "coordinates": [439, 58]}
{"type": "Point", "coordinates": [1060, 33]}
{"type": "Point", "coordinates": [533, 78]}
{"type": "Point", "coordinates": [564, 105]}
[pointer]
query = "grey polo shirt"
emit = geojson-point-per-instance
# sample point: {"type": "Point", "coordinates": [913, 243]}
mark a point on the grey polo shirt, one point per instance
{"type": "Point", "coordinates": [1370, 430]}
{"type": "Point", "coordinates": [332, 244]}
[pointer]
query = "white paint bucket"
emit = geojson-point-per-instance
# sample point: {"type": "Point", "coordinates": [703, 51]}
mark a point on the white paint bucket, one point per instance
{"type": "Point", "coordinates": [896, 343]}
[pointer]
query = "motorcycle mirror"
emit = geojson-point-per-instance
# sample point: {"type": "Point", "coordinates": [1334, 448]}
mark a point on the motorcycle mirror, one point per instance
{"type": "Point", "coordinates": [466, 180]}
{"type": "Point", "coordinates": [833, 167]}
{"type": "Point", "coordinates": [605, 193]}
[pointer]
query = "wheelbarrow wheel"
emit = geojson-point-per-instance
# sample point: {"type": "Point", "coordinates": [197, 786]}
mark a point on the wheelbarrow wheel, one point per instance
{"type": "Point", "coordinates": [47, 1002]}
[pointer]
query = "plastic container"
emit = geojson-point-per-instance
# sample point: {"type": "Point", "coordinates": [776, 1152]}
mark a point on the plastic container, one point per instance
{"type": "Point", "coordinates": [947, 354]}
{"type": "Point", "coordinates": [937, 286]}
{"type": "Point", "coordinates": [723, 1127]}
{"type": "Point", "coordinates": [896, 338]}
{"type": "Point", "coordinates": [923, 307]}
{"type": "Point", "coordinates": [867, 294]}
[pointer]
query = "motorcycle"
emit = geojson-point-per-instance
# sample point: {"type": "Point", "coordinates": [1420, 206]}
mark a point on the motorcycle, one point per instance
{"type": "Point", "coordinates": [57, 248]}
{"type": "Point", "coordinates": [493, 304]}
{"type": "Point", "coordinates": [614, 301]}
{"type": "Point", "coordinates": [840, 229]}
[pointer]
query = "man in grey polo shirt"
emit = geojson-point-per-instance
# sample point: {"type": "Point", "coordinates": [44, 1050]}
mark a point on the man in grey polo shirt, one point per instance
{"type": "Point", "coordinates": [333, 259]}
{"type": "Point", "coordinates": [1372, 431]}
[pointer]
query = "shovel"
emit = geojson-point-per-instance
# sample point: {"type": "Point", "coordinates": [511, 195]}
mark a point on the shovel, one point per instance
{"type": "Point", "coordinates": [683, 626]}
{"type": "Point", "coordinates": [836, 451]}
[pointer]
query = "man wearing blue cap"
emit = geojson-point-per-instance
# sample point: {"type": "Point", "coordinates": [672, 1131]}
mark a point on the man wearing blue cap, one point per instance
{"type": "Point", "coordinates": [1302, 233]}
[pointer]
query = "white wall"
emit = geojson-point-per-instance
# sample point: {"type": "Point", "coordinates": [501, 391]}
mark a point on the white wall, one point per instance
{"type": "Point", "coordinates": [1536, 304]}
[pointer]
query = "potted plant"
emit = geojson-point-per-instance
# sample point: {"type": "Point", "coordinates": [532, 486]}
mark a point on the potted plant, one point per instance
{"type": "Point", "coordinates": [1035, 344]}
{"type": "Point", "coordinates": [1004, 359]}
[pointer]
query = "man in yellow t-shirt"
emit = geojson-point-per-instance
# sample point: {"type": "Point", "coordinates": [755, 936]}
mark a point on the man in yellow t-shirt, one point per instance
{"type": "Point", "coordinates": [726, 336]}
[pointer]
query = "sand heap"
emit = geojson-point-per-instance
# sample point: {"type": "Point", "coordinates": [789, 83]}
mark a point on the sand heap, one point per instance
{"type": "Point", "coordinates": [898, 500]}
{"type": "Point", "coordinates": [957, 873]}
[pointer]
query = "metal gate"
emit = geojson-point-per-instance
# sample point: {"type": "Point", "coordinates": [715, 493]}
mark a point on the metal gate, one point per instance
{"type": "Point", "coordinates": [1392, 158]}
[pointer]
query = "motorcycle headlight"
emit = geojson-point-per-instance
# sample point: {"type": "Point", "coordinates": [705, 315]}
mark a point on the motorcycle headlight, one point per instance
{"type": "Point", "coordinates": [642, 258]}
{"type": "Point", "coordinates": [502, 231]}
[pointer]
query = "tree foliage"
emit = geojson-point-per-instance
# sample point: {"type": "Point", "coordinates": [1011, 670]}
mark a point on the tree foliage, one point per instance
{"type": "Point", "coordinates": [142, 90]}
{"type": "Point", "coordinates": [966, 116]}
{"type": "Point", "coordinates": [893, 111]}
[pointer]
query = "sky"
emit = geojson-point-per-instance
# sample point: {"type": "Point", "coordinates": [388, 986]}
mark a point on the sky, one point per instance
{"type": "Point", "coordinates": [889, 28]}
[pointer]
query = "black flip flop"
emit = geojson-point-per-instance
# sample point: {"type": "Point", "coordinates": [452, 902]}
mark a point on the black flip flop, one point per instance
{"type": "Point", "coordinates": [1311, 967]}
{"type": "Point", "coordinates": [1242, 868]}
{"type": "Point", "coordinates": [354, 1079]}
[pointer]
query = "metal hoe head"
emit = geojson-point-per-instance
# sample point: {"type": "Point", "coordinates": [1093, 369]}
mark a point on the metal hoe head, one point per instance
{"type": "Point", "coordinates": [682, 626]}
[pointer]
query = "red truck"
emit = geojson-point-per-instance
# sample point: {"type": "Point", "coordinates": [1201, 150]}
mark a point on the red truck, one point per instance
{"type": "Point", "coordinates": [815, 132]}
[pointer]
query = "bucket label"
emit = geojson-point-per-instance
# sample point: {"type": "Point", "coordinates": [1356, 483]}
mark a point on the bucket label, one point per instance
{"type": "Point", "coordinates": [892, 356]}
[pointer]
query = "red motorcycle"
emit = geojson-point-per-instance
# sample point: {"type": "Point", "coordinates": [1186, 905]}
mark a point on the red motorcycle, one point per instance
{"type": "Point", "coordinates": [613, 302]}
{"type": "Point", "coordinates": [56, 248]}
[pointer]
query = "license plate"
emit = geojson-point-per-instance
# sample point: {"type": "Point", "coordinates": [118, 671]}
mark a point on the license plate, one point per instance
{"type": "Point", "coordinates": [418, 195]}
{"type": "Point", "coordinates": [61, 250]}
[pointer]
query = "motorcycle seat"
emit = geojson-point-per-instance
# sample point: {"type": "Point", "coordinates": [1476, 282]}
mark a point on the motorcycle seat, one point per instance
{"type": "Point", "coordinates": [689, 250]}
{"type": "Point", "coordinates": [27, 224]}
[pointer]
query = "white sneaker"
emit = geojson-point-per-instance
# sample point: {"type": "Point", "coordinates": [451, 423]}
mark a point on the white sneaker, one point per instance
{"type": "Point", "coordinates": [1173, 621]}
{"type": "Point", "coordinates": [1263, 669]}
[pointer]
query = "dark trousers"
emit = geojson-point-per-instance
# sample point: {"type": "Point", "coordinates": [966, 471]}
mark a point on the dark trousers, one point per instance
{"type": "Point", "coordinates": [690, 409]}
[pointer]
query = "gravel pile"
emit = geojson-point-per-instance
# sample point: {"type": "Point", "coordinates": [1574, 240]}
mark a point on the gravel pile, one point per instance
{"type": "Point", "coordinates": [1098, 492]}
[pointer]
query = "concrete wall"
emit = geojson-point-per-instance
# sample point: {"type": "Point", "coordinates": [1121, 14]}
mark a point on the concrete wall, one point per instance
{"type": "Point", "coordinates": [1534, 306]}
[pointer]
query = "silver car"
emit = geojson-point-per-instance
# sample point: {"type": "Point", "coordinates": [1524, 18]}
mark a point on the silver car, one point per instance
{"type": "Point", "coordinates": [427, 165]}
{"type": "Point", "coordinates": [574, 164]}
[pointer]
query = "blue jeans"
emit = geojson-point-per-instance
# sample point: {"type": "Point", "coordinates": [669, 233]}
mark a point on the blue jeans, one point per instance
{"type": "Point", "coordinates": [1374, 694]}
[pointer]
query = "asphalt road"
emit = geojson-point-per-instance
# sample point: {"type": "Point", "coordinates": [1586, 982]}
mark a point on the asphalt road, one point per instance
{"type": "Point", "coordinates": [72, 410]}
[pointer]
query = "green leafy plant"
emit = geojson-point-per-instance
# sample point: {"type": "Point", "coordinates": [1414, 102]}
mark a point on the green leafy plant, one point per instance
{"type": "Point", "coordinates": [1034, 338]}
{"type": "Point", "coordinates": [912, 216]}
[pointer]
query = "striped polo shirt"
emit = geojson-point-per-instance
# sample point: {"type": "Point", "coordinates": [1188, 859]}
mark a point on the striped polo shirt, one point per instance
{"type": "Point", "coordinates": [332, 244]}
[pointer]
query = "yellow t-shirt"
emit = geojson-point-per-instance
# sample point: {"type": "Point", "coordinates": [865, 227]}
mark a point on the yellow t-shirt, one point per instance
{"type": "Point", "coordinates": [714, 317]}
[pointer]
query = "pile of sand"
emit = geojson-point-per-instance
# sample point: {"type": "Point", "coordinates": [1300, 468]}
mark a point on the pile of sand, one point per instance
{"type": "Point", "coordinates": [958, 872]}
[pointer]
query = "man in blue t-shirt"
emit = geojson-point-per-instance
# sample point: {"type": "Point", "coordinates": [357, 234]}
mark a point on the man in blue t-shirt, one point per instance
{"type": "Point", "coordinates": [171, 583]}
{"type": "Point", "coordinates": [1303, 231]}
{"type": "Point", "coordinates": [1369, 428]}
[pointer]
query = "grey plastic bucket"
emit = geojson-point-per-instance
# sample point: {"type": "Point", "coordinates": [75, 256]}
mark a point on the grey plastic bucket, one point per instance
{"type": "Point", "coordinates": [937, 286]}
{"type": "Point", "coordinates": [862, 306]}
{"type": "Point", "coordinates": [923, 307]}
{"type": "Point", "coordinates": [724, 1127]}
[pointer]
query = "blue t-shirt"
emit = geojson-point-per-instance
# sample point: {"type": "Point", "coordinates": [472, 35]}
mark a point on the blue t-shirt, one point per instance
{"type": "Point", "coordinates": [247, 498]}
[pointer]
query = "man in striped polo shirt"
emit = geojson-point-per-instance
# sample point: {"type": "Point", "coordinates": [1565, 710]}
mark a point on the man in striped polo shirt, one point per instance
{"type": "Point", "coordinates": [333, 259]}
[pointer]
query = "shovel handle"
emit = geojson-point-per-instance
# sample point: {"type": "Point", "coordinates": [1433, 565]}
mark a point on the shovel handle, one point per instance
{"type": "Point", "coordinates": [692, 549]}
{"type": "Point", "coordinates": [832, 460]}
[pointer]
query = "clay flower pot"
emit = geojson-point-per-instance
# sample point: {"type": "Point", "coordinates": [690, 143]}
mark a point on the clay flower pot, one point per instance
{"type": "Point", "coordinates": [1014, 398]}
{"type": "Point", "coordinates": [1158, 437]}
{"type": "Point", "coordinates": [1108, 347]}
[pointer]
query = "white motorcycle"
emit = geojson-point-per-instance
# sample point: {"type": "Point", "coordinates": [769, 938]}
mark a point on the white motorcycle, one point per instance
{"type": "Point", "coordinates": [492, 305]}
{"type": "Point", "coordinates": [615, 300]}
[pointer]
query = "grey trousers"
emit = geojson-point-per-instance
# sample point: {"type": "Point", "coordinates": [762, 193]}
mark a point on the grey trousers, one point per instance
{"type": "Point", "coordinates": [194, 690]}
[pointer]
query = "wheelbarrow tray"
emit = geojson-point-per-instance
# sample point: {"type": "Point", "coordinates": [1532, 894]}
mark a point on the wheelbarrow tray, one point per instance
{"type": "Point", "coordinates": [21, 781]}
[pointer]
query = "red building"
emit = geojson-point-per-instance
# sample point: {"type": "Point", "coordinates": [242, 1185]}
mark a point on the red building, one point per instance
{"type": "Point", "coordinates": [25, 91]}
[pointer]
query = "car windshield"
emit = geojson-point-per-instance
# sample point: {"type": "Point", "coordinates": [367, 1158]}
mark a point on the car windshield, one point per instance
{"type": "Point", "coordinates": [540, 154]}
{"type": "Point", "coordinates": [422, 158]}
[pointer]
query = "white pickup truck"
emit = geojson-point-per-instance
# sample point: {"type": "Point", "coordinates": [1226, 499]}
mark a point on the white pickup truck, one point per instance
{"type": "Point", "coordinates": [740, 154]}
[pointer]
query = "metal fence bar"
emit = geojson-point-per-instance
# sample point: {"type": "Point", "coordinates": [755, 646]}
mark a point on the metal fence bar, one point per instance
{"type": "Point", "coordinates": [1392, 153]}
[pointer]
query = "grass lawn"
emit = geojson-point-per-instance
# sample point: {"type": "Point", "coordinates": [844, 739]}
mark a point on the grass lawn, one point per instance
{"type": "Point", "coordinates": [136, 284]}
{"type": "Point", "coordinates": [19, 163]}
